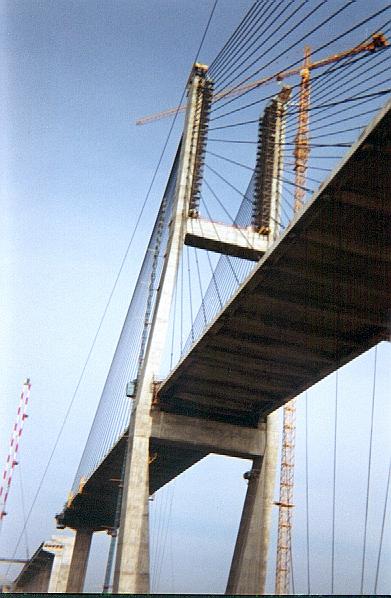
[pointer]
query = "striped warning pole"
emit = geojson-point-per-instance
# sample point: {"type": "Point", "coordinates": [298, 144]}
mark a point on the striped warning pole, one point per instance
{"type": "Point", "coordinates": [16, 434]}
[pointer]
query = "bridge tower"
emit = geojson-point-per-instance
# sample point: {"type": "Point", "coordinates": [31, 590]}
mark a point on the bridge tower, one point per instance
{"type": "Point", "coordinates": [188, 437]}
{"type": "Point", "coordinates": [185, 437]}
{"type": "Point", "coordinates": [248, 570]}
{"type": "Point", "coordinates": [132, 561]}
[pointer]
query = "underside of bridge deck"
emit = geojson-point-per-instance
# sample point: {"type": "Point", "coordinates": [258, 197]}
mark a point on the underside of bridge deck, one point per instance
{"type": "Point", "coordinates": [318, 298]}
{"type": "Point", "coordinates": [95, 506]}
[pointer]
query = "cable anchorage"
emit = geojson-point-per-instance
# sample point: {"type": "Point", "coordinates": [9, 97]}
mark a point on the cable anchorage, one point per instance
{"type": "Point", "coordinates": [268, 166]}
{"type": "Point", "coordinates": [200, 137]}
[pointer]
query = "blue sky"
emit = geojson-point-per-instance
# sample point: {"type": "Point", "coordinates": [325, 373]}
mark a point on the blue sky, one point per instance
{"type": "Point", "coordinates": [75, 76]}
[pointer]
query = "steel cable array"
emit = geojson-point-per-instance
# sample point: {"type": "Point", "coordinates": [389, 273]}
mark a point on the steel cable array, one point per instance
{"type": "Point", "coordinates": [219, 292]}
{"type": "Point", "coordinates": [112, 416]}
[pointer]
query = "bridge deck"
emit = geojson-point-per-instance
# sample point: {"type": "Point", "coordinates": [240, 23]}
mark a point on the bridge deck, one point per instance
{"type": "Point", "coordinates": [317, 299]}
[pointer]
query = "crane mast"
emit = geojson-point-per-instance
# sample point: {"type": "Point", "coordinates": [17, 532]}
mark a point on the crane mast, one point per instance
{"type": "Point", "coordinates": [13, 449]}
{"type": "Point", "coordinates": [301, 151]}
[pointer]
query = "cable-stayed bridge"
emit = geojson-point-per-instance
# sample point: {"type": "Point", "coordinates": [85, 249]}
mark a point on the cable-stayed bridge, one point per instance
{"type": "Point", "coordinates": [212, 347]}
{"type": "Point", "coordinates": [318, 297]}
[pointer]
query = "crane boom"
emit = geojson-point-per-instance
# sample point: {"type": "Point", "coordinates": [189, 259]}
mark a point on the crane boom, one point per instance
{"type": "Point", "coordinates": [377, 40]}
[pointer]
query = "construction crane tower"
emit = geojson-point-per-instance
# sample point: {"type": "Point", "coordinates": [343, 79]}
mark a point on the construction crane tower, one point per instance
{"type": "Point", "coordinates": [13, 449]}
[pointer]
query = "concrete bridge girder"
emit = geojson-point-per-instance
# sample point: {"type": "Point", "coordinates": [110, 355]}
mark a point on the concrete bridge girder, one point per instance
{"type": "Point", "coordinates": [245, 243]}
{"type": "Point", "coordinates": [207, 435]}
{"type": "Point", "coordinates": [48, 570]}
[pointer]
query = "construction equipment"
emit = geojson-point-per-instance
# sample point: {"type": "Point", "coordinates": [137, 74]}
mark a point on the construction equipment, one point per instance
{"type": "Point", "coordinates": [12, 456]}
{"type": "Point", "coordinates": [378, 40]}
{"type": "Point", "coordinates": [301, 151]}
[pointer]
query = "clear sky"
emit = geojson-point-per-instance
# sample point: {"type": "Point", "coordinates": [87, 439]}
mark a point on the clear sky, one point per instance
{"type": "Point", "coordinates": [75, 76]}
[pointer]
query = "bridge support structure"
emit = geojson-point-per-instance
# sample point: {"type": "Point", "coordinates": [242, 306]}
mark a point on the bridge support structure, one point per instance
{"type": "Point", "coordinates": [79, 562]}
{"type": "Point", "coordinates": [249, 563]}
{"type": "Point", "coordinates": [189, 432]}
{"type": "Point", "coordinates": [62, 548]}
{"type": "Point", "coordinates": [132, 560]}
{"type": "Point", "coordinates": [49, 569]}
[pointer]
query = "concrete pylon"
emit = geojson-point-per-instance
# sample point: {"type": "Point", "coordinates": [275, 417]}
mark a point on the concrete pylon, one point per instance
{"type": "Point", "coordinates": [131, 573]}
{"type": "Point", "coordinates": [62, 548]}
{"type": "Point", "coordinates": [79, 562]}
{"type": "Point", "coordinates": [249, 563]}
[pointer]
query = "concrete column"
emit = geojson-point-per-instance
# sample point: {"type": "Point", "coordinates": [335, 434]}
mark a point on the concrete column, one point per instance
{"type": "Point", "coordinates": [131, 573]}
{"type": "Point", "coordinates": [269, 165]}
{"type": "Point", "coordinates": [62, 548]}
{"type": "Point", "coordinates": [79, 562]}
{"type": "Point", "coordinates": [43, 581]}
{"type": "Point", "coordinates": [249, 563]}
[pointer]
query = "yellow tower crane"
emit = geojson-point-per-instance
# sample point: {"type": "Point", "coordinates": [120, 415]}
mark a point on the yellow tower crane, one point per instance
{"type": "Point", "coordinates": [377, 40]}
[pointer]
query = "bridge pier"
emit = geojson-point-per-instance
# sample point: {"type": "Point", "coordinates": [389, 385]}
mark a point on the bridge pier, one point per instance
{"type": "Point", "coordinates": [198, 437]}
{"type": "Point", "coordinates": [79, 562]}
{"type": "Point", "coordinates": [249, 563]}
{"type": "Point", "coordinates": [47, 571]}
{"type": "Point", "coordinates": [131, 573]}
{"type": "Point", "coordinates": [62, 549]}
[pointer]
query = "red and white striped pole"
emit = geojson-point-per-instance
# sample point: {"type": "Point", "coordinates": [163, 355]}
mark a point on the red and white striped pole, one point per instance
{"type": "Point", "coordinates": [16, 434]}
